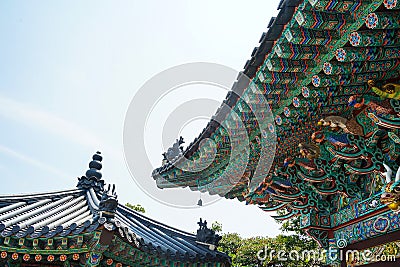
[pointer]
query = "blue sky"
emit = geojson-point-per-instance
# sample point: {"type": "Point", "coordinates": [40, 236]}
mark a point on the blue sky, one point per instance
{"type": "Point", "coordinates": [69, 69]}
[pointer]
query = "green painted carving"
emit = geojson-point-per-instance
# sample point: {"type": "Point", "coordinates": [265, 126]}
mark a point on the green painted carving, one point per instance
{"type": "Point", "coordinates": [318, 71]}
{"type": "Point", "coordinates": [101, 245]}
{"type": "Point", "coordinates": [389, 90]}
{"type": "Point", "coordinates": [321, 236]}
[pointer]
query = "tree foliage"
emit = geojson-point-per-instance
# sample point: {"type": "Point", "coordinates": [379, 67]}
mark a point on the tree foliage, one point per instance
{"type": "Point", "coordinates": [136, 207]}
{"type": "Point", "coordinates": [292, 225]}
{"type": "Point", "coordinates": [263, 251]}
{"type": "Point", "coordinates": [216, 227]}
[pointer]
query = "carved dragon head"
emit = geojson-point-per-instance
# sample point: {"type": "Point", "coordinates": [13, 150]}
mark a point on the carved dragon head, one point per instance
{"type": "Point", "coordinates": [391, 191]}
{"type": "Point", "coordinates": [108, 202]}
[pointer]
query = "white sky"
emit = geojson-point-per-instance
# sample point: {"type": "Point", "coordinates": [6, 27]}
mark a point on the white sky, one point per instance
{"type": "Point", "coordinates": [69, 69]}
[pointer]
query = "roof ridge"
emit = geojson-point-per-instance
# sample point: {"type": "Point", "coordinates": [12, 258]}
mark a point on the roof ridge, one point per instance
{"type": "Point", "coordinates": [40, 194]}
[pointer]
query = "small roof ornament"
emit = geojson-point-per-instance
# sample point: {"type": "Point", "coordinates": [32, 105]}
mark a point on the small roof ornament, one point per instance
{"type": "Point", "coordinates": [92, 179]}
{"type": "Point", "coordinates": [109, 202]}
{"type": "Point", "coordinates": [207, 236]}
{"type": "Point", "coordinates": [174, 152]}
{"type": "Point", "coordinates": [95, 166]}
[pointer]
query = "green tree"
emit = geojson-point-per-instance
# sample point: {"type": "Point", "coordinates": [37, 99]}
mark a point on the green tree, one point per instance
{"type": "Point", "coordinates": [294, 245]}
{"type": "Point", "coordinates": [230, 244]}
{"type": "Point", "coordinates": [263, 251]}
{"type": "Point", "coordinates": [216, 227]}
{"type": "Point", "coordinates": [291, 225]}
{"type": "Point", "coordinates": [252, 251]}
{"type": "Point", "coordinates": [136, 207]}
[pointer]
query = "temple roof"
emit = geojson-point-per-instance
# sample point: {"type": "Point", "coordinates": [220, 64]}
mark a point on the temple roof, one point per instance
{"type": "Point", "coordinates": [314, 61]}
{"type": "Point", "coordinates": [92, 206]}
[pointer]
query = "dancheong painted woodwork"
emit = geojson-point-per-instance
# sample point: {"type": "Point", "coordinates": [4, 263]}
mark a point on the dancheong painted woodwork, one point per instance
{"type": "Point", "coordinates": [329, 71]}
{"type": "Point", "coordinates": [87, 226]}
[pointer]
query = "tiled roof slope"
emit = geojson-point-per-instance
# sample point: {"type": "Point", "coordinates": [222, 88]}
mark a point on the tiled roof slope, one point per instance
{"type": "Point", "coordinates": [90, 207]}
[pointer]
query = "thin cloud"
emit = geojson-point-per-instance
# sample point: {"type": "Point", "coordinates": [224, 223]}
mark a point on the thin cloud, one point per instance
{"type": "Point", "coordinates": [51, 123]}
{"type": "Point", "coordinates": [44, 120]}
{"type": "Point", "coordinates": [10, 152]}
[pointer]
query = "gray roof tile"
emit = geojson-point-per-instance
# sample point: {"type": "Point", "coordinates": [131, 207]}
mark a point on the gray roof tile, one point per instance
{"type": "Point", "coordinates": [71, 212]}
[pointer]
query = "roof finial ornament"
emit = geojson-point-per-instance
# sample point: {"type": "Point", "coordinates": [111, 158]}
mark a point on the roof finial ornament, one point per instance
{"type": "Point", "coordinates": [92, 179]}
{"type": "Point", "coordinates": [95, 166]}
{"type": "Point", "coordinates": [207, 236]}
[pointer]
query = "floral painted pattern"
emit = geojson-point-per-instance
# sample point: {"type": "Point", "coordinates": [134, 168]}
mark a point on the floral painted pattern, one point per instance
{"type": "Point", "coordinates": [327, 68]}
{"type": "Point", "coordinates": [371, 20]}
{"type": "Point", "coordinates": [278, 120]}
{"type": "Point", "coordinates": [316, 81]}
{"type": "Point", "coordinates": [271, 127]}
{"type": "Point", "coordinates": [355, 39]}
{"type": "Point", "coordinates": [340, 54]}
{"type": "Point", "coordinates": [286, 111]}
{"type": "Point", "coordinates": [305, 91]}
{"type": "Point", "coordinates": [390, 4]}
{"type": "Point", "coordinates": [296, 102]}
{"type": "Point", "coordinates": [264, 132]}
